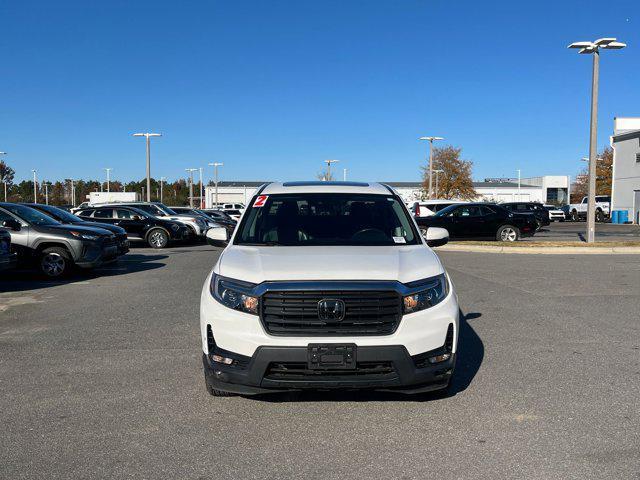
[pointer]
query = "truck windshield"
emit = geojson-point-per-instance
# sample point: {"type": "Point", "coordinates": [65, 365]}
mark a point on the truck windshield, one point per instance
{"type": "Point", "coordinates": [327, 219]}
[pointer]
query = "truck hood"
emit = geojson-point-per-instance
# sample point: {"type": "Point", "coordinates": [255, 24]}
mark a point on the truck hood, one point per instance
{"type": "Point", "coordinates": [259, 264]}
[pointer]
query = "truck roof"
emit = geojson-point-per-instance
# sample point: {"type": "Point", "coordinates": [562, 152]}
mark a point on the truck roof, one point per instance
{"type": "Point", "coordinates": [325, 187]}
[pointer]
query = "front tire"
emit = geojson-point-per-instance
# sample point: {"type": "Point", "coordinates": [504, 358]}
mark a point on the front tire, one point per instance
{"type": "Point", "coordinates": [508, 233]}
{"type": "Point", "coordinates": [157, 238]}
{"type": "Point", "coordinates": [55, 262]}
{"type": "Point", "coordinates": [599, 216]}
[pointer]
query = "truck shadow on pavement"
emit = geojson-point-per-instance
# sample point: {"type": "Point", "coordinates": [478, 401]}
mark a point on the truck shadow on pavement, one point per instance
{"type": "Point", "coordinates": [30, 279]}
{"type": "Point", "coordinates": [470, 356]}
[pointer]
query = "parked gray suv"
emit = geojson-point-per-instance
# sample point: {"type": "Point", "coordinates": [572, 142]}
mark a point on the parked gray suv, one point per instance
{"type": "Point", "coordinates": [53, 247]}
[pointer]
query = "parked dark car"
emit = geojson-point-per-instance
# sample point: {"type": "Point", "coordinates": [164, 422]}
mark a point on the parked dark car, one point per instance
{"type": "Point", "coordinates": [220, 216]}
{"type": "Point", "coordinates": [537, 209]}
{"type": "Point", "coordinates": [8, 259]}
{"type": "Point", "coordinates": [63, 216]}
{"type": "Point", "coordinates": [138, 224]}
{"type": "Point", "coordinates": [222, 220]}
{"type": "Point", "coordinates": [53, 247]}
{"type": "Point", "coordinates": [480, 220]}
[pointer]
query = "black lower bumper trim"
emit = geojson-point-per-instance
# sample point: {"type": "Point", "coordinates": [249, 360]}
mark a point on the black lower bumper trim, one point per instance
{"type": "Point", "coordinates": [271, 369]}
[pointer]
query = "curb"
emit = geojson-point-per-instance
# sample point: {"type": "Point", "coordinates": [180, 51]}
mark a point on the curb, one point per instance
{"type": "Point", "coordinates": [540, 250]}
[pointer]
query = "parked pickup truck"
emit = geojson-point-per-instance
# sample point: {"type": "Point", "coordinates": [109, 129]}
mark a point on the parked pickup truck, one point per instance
{"type": "Point", "coordinates": [578, 211]}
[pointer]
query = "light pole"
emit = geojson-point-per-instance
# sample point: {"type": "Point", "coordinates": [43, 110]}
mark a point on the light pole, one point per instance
{"type": "Point", "coordinates": [430, 140]}
{"type": "Point", "coordinates": [162, 179]}
{"type": "Point", "coordinates": [148, 136]}
{"type": "Point", "coordinates": [200, 193]}
{"type": "Point", "coordinates": [329, 162]}
{"type": "Point", "coordinates": [108, 182]}
{"type": "Point", "coordinates": [4, 180]}
{"type": "Point", "coordinates": [46, 192]}
{"type": "Point", "coordinates": [519, 195]}
{"type": "Point", "coordinates": [191, 170]}
{"type": "Point", "coordinates": [344, 174]}
{"type": "Point", "coordinates": [215, 166]}
{"type": "Point", "coordinates": [437, 172]}
{"type": "Point", "coordinates": [35, 187]}
{"type": "Point", "coordinates": [73, 193]}
{"type": "Point", "coordinates": [594, 48]}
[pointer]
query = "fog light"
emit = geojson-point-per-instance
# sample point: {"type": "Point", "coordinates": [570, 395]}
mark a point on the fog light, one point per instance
{"type": "Point", "coordinates": [221, 359]}
{"type": "Point", "coordinates": [440, 358]}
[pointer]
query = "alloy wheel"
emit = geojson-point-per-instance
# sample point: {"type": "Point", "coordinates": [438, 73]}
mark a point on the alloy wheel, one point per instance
{"type": "Point", "coordinates": [508, 235]}
{"type": "Point", "coordinates": [158, 239]}
{"type": "Point", "coordinates": [53, 264]}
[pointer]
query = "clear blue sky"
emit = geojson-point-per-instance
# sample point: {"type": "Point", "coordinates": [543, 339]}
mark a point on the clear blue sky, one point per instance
{"type": "Point", "coordinates": [273, 87]}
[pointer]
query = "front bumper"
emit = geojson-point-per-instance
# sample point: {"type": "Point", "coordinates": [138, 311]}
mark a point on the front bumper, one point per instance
{"type": "Point", "coordinates": [388, 367]}
{"type": "Point", "coordinates": [95, 255]}
{"type": "Point", "coordinates": [243, 336]}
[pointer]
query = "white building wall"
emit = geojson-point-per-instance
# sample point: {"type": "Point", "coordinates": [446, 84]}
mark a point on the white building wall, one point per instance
{"type": "Point", "coordinates": [501, 194]}
{"type": "Point", "coordinates": [235, 194]}
{"type": "Point", "coordinates": [625, 188]}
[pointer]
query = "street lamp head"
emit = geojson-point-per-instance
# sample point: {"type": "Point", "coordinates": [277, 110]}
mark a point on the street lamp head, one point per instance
{"type": "Point", "coordinates": [431, 139]}
{"type": "Point", "coordinates": [216, 164]}
{"type": "Point", "coordinates": [601, 42]}
{"type": "Point", "coordinates": [581, 45]}
{"type": "Point", "coordinates": [328, 162]}
{"type": "Point", "coordinates": [608, 43]}
{"type": "Point", "coordinates": [147, 135]}
{"type": "Point", "coordinates": [615, 46]}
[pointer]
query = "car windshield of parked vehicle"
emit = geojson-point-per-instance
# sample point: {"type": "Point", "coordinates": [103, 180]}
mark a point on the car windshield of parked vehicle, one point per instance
{"type": "Point", "coordinates": [31, 215]}
{"type": "Point", "coordinates": [446, 211]}
{"type": "Point", "coordinates": [151, 210]}
{"type": "Point", "coordinates": [59, 214]}
{"type": "Point", "coordinates": [164, 209]}
{"type": "Point", "coordinates": [327, 219]}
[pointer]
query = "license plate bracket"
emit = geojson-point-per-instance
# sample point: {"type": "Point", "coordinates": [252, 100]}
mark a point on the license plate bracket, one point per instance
{"type": "Point", "coordinates": [331, 356]}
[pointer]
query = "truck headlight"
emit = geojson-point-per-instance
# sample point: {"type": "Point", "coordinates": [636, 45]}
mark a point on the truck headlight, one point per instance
{"type": "Point", "coordinates": [432, 291]}
{"type": "Point", "coordinates": [234, 294]}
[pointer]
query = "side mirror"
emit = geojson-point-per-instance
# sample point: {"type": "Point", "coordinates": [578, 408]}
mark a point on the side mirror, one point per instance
{"type": "Point", "coordinates": [217, 236]}
{"type": "Point", "coordinates": [11, 224]}
{"type": "Point", "coordinates": [436, 236]}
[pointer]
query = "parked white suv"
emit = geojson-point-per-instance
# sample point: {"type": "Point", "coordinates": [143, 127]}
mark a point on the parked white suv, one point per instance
{"type": "Point", "coordinates": [328, 285]}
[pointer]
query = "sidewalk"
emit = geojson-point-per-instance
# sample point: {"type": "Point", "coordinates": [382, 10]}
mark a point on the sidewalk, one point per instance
{"type": "Point", "coordinates": [553, 248]}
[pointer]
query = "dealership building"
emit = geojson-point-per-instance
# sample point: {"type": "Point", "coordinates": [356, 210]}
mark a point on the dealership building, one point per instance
{"type": "Point", "coordinates": [551, 189]}
{"type": "Point", "coordinates": [625, 187]}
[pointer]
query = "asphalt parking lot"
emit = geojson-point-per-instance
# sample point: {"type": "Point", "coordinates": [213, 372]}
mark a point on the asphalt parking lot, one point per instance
{"type": "Point", "coordinates": [101, 378]}
{"type": "Point", "coordinates": [576, 232]}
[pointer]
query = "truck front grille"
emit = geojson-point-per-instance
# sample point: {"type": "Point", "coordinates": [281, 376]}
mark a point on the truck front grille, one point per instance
{"type": "Point", "coordinates": [296, 313]}
{"type": "Point", "coordinates": [300, 371]}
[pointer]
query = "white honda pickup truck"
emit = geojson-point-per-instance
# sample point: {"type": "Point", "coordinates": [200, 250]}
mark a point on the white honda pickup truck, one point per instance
{"type": "Point", "coordinates": [327, 285]}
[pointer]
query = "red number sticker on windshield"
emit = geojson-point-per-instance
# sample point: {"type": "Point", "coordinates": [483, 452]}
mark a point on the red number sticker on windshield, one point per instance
{"type": "Point", "coordinates": [260, 201]}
